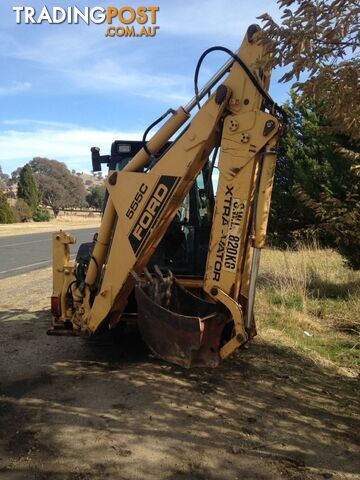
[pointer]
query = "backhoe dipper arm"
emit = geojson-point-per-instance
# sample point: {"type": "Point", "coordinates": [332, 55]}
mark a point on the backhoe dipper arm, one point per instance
{"type": "Point", "coordinates": [242, 208]}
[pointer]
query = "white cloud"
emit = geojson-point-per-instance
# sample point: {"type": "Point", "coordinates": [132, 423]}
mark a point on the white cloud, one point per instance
{"type": "Point", "coordinates": [97, 67]}
{"type": "Point", "coordinates": [68, 144]}
{"type": "Point", "coordinates": [32, 123]}
{"type": "Point", "coordinates": [78, 58]}
{"type": "Point", "coordinates": [65, 48]}
{"type": "Point", "coordinates": [150, 85]}
{"type": "Point", "coordinates": [15, 88]}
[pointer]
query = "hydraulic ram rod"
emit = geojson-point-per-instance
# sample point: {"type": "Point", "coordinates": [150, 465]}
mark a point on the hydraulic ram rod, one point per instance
{"type": "Point", "coordinates": [209, 85]}
{"type": "Point", "coordinates": [262, 210]}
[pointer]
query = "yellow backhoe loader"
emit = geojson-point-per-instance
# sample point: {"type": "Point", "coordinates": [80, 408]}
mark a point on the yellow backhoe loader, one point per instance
{"type": "Point", "coordinates": [170, 254]}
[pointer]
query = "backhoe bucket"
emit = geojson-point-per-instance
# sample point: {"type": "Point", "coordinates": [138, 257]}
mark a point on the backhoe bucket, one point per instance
{"type": "Point", "coordinates": [178, 326]}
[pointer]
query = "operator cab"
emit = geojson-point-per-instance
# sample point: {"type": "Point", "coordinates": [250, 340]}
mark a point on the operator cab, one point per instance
{"type": "Point", "coordinates": [184, 247]}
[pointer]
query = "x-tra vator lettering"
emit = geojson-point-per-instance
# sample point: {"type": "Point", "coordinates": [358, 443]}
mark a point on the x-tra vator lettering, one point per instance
{"type": "Point", "coordinates": [97, 15]}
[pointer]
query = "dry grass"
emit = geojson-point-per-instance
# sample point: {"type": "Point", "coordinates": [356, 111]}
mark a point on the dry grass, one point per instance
{"type": "Point", "coordinates": [309, 299]}
{"type": "Point", "coordinates": [63, 222]}
{"type": "Point", "coordinates": [38, 288]}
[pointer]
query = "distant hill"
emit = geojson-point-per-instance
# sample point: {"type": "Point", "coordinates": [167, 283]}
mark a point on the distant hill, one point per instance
{"type": "Point", "coordinates": [89, 179]}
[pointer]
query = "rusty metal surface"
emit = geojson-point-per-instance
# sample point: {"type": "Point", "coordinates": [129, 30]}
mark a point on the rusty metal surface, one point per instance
{"type": "Point", "coordinates": [178, 326]}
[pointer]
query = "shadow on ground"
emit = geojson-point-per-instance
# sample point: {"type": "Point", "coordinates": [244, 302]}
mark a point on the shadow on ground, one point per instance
{"type": "Point", "coordinates": [80, 409]}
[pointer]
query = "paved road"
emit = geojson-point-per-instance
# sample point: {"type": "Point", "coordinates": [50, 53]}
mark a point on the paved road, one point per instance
{"type": "Point", "coordinates": [24, 253]}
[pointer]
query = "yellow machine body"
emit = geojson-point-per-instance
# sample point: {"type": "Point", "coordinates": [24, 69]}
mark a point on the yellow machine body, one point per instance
{"type": "Point", "coordinates": [142, 205]}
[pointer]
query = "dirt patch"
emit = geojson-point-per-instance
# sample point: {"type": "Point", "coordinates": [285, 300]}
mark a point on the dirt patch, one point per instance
{"type": "Point", "coordinates": [82, 409]}
{"type": "Point", "coordinates": [65, 223]}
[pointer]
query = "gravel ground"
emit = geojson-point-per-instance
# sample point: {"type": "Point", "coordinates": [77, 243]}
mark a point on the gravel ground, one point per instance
{"type": "Point", "coordinates": [88, 409]}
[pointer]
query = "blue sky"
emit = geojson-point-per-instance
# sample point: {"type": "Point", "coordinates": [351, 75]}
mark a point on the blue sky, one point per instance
{"type": "Point", "coordinates": [65, 88]}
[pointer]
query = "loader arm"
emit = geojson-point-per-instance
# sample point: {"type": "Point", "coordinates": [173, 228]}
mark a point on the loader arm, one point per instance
{"type": "Point", "coordinates": [144, 200]}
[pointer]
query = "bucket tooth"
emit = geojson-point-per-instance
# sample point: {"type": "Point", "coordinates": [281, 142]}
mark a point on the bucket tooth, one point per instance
{"type": "Point", "coordinates": [148, 276]}
{"type": "Point", "coordinates": [178, 326]}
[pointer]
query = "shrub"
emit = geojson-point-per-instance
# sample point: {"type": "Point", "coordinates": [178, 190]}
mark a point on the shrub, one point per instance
{"type": "Point", "coordinates": [27, 187]}
{"type": "Point", "coordinates": [6, 213]}
{"type": "Point", "coordinates": [95, 197]}
{"type": "Point", "coordinates": [22, 211]}
{"type": "Point", "coordinates": [41, 215]}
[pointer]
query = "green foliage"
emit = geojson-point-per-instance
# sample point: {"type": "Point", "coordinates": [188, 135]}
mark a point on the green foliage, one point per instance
{"type": "Point", "coordinates": [6, 213]}
{"type": "Point", "coordinates": [302, 160]}
{"type": "Point", "coordinates": [58, 187]}
{"type": "Point", "coordinates": [41, 215]}
{"type": "Point", "coordinates": [95, 197]}
{"type": "Point", "coordinates": [27, 187]}
{"type": "Point", "coordinates": [22, 211]}
{"type": "Point", "coordinates": [316, 188]}
{"type": "Point", "coordinates": [318, 191]}
{"type": "Point", "coordinates": [321, 38]}
{"type": "Point", "coordinates": [340, 222]}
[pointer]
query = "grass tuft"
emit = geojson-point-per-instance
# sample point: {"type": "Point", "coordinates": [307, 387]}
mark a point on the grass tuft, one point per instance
{"type": "Point", "coordinates": [310, 300]}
